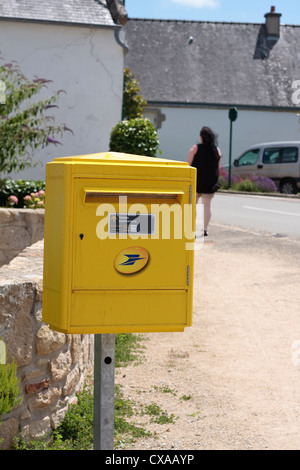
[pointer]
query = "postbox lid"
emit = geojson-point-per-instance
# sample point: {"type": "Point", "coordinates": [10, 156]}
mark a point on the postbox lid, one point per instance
{"type": "Point", "coordinates": [123, 158]}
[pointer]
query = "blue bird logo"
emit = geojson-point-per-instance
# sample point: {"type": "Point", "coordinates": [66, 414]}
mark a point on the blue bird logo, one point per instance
{"type": "Point", "coordinates": [131, 260]}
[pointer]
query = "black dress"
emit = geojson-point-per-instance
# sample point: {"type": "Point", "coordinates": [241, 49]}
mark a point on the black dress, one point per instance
{"type": "Point", "coordinates": [206, 160]}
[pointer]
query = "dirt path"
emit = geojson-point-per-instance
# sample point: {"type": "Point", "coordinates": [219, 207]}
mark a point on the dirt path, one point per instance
{"type": "Point", "coordinates": [233, 379]}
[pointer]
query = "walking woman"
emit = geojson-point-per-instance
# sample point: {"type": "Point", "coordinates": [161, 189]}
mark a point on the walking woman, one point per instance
{"type": "Point", "coordinates": [206, 158]}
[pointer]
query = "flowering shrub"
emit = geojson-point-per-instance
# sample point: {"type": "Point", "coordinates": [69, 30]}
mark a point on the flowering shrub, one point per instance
{"type": "Point", "coordinates": [253, 183]}
{"type": "Point", "coordinates": [223, 178]}
{"type": "Point", "coordinates": [31, 201]}
{"type": "Point", "coordinates": [19, 189]}
{"type": "Point", "coordinates": [246, 185]}
{"type": "Point", "coordinates": [35, 200]}
{"type": "Point", "coordinates": [25, 124]}
{"type": "Point", "coordinates": [264, 184]}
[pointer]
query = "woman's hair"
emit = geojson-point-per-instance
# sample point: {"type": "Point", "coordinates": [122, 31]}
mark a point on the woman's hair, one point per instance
{"type": "Point", "coordinates": [208, 136]}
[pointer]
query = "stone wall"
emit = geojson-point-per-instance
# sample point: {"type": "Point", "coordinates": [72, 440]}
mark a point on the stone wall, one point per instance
{"type": "Point", "coordinates": [51, 366]}
{"type": "Point", "coordinates": [19, 228]}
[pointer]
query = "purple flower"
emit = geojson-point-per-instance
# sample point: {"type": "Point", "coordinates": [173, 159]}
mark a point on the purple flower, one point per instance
{"type": "Point", "coordinates": [264, 183]}
{"type": "Point", "coordinates": [53, 141]}
{"type": "Point", "coordinates": [48, 106]}
{"type": "Point", "coordinates": [67, 129]}
{"type": "Point", "coordinates": [41, 80]}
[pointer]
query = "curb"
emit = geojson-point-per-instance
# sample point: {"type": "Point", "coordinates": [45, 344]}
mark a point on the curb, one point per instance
{"type": "Point", "coordinates": [249, 193]}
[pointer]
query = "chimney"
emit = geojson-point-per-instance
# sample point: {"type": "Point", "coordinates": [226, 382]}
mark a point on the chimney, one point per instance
{"type": "Point", "coordinates": [273, 24]}
{"type": "Point", "coordinates": [117, 11]}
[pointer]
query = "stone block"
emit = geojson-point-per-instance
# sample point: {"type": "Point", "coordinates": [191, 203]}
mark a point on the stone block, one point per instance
{"type": "Point", "coordinates": [16, 303]}
{"type": "Point", "coordinates": [45, 398]}
{"type": "Point", "coordinates": [33, 388]}
{"type": "Point", "coordinates": [60, 366]}
{"type": "Point", "coordinates": [48, 340]}
{"type": "Point", "coordinates": [37, 429]}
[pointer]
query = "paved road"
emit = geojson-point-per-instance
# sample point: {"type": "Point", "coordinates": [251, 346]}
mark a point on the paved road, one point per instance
{"type": "Point", "coordinates": [276, 215]}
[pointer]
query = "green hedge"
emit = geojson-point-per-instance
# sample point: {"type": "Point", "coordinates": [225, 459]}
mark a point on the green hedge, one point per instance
{"type": "Point", "coordinates": [136, 136]}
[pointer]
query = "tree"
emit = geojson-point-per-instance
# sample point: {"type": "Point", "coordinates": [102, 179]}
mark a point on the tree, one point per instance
{"type": "Point", "coordinates": [133, 102]}
{"type": "Point", "coordinates": [134, 134]}
{"type": "Point", "coordinates": [24, 124]}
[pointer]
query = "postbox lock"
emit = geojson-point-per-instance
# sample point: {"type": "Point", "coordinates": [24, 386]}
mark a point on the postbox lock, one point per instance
{"type": "Point", "coordinates": [81, 236]}
{"type": "Point", "coordinates": [131, 260]}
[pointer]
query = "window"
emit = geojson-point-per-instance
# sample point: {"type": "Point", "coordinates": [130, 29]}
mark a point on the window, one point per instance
{"type": "Point", "coordinates": [271, 155]}
{"type": "Point", "coordinates": [280, 155]}
{"type": "Point", "coordinates": [249, 158]}
{"type": "Point", "coordinates": [289, 155]}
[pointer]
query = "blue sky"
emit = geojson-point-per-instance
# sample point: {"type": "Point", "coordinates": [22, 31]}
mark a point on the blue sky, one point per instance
{"type": "Point", "coordinates": [245, 11]}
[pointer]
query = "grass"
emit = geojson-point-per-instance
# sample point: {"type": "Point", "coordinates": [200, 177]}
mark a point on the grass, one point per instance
{"type": "Point", "coordinates": [164, 389]}
{"type": "Point", "coordinates": [186, 397]}
{"type": "Point", "coordinates": [157, 414]}
{"type": "Point", "coordinates": [76, 430]}
{"type": "Point", "coordinates": [129, 349]}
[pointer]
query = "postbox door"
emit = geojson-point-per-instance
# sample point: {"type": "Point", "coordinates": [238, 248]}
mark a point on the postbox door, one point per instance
{"type": "Point", "coordinates": [130, 234]}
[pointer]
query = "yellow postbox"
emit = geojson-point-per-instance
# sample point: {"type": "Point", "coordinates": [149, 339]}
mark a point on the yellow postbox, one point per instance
{"type": "Point", "coordinates": [118, 254]}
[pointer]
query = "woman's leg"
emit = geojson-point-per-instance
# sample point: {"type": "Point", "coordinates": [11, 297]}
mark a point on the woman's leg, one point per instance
{"type": "Point", "coordinates": [206, 201]}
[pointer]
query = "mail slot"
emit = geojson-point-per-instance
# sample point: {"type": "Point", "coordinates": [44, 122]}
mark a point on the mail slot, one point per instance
{"type": "Point", "coordinates": [119, 238]}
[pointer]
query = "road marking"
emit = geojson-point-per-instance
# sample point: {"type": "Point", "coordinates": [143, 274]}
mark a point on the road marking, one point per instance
{"type": "Point", "coordinates": [270, 210]}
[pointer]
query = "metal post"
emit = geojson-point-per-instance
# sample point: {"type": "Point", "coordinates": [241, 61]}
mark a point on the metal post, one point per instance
{"type": "Point", "coordinates": [104, 384]}
{"type": "Point", "coordinates": [233, 114]}
{"type": "Point", "coordinates": [230, 146]}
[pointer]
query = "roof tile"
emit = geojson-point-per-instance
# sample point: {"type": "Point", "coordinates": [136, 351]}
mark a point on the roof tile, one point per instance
{"type": "Point", "coordinates": [92, 12]}
{"type": "Point", "coordinates": [213, 63]}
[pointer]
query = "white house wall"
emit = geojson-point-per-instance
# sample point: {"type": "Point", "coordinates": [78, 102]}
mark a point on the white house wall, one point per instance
{"type": "Point", "coordinates": [85, 62]}
{"type": "Point", "coordinates": [181, 128]}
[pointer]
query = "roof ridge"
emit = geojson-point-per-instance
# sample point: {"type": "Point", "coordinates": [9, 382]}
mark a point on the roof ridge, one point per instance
{"type": "Point", "coordinates": [158, 20]}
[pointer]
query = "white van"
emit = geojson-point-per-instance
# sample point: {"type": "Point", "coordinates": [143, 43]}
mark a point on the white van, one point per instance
{"type": "Point", "coordinates": [279, 161]}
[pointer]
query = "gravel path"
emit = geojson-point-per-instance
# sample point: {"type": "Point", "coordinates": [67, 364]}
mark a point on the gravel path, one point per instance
{"type": "Point", "coordinates": [232, 380]}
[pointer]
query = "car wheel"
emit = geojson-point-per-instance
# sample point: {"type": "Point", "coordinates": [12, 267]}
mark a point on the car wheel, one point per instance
{"type": "Point", "coordinates": [288, 187]}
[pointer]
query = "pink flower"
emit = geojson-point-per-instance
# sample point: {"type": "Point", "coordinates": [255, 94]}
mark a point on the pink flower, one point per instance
{"type": "Point", "coordinates": [27, 198]}
{"type": "Point", "coordinates": [13, 199]}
